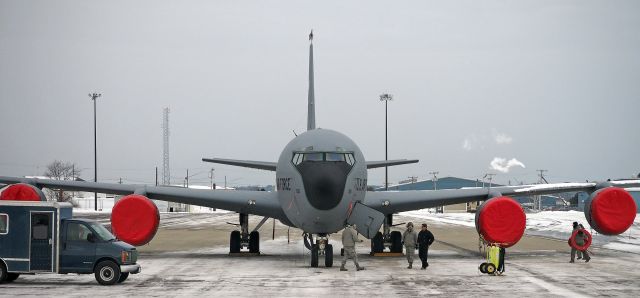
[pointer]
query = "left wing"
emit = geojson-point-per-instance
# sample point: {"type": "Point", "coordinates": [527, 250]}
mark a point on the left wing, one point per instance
{"type": "Point", "coordinates": [389, 202]}
{"type": "Point", "coordinates": [251, 202]}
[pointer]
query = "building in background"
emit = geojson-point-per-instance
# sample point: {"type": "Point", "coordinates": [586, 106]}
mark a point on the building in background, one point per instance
{"type": "Point", "coordinates": [548, 202]}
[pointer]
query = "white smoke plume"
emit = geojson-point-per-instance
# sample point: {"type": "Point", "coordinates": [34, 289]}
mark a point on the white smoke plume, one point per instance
{"type": "Point", "coordinates": [503, 165]}
{"type": "Point", "coordinates": [466, 145]}
{"type": "Point", "coordinates": [502, 139]}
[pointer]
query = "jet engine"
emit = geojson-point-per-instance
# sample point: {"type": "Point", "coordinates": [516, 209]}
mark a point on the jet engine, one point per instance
{"type": "Point", "coordinates": [22, 192]}
{"type": "Point", "coordinates": [610, 210]}
{"type": "Point", "coordinates": [501, 221]}
{"type": "Point", "coordinates": [135, 219]}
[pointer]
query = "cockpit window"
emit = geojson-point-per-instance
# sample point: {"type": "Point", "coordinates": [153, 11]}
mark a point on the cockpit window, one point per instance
{"type": "Point", "coordinates": [334, 156]}
{"type": "Point", "coordinates": [300, 157]}
{"type": "Point", "coordinates": [350, 160]}
{"type": "Point", "coordinates": [318, 156]}
{"type": "Point", "coordinates": [297, 158]}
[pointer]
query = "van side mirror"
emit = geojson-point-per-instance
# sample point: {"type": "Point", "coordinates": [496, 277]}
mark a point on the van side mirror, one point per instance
{"type": "Point", "coordinates": [91, 237]}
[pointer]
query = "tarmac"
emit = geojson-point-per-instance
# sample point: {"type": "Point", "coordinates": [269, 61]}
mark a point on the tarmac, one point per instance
{"type": "Point", "coordinates": [189, 257]}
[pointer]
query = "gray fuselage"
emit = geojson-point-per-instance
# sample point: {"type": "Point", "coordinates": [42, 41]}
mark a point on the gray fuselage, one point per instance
{"type": "Point", "coordinates": [320, 175]}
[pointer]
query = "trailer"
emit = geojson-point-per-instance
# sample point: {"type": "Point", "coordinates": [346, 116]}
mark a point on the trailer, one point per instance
{"type": "Point", "coordinates": [43, 237]}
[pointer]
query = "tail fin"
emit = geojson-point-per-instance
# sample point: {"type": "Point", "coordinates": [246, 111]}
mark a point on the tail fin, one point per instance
{"type": "Point", "coordinates": [311, 116]}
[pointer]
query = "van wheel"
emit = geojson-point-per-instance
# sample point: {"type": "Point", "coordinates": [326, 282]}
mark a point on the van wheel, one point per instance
{"type": "Point", "coordinates": [107, 273]}
{"type": "Point", "coordinates": [123, 277]}
{"type": "Point", "coordinates": [12, 276]}
{"type": "Point", "coordinates": [3, 272]}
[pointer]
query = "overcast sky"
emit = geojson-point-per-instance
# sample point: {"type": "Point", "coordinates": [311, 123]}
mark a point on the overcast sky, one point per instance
{"type": "Point", "coordinates": [546, 84]}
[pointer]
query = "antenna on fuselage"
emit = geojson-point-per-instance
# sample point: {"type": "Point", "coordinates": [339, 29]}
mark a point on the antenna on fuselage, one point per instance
{"type": "Point", "coordinates": [311, 117]}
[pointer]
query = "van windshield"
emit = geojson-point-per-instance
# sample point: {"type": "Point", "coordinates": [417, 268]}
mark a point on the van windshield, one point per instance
{"type": "Point", "coordinates": [102, 232]}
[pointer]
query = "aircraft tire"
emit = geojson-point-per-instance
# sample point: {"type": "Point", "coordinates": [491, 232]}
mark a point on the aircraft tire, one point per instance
{"type": "Point", "coordinates": [396, 241]}
{"type": "Point", "coordinates": [234, 242]}
{"type": "Point", "coordinates": [328, 256]}
{"type": "Point", "coordinates": [314, 256]}
{"type": "Point", "coordinates": [254, 242]}
{"type": "Point", "coordinates": [377, 244]}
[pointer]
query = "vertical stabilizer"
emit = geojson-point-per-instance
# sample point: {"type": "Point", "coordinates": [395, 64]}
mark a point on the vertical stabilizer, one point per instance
{"type": "Point", "coordinates": [311, 117]}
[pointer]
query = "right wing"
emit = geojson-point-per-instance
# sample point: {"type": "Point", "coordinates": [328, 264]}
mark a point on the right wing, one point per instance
{"type": "Point", "coordinates": [262, 165]}
{"type": "Point", "coordinates": [389, 202]}
{"type": "Point", "coordinates": [261, 203]}
{"type": "Point", "coordinates": [388, 163]}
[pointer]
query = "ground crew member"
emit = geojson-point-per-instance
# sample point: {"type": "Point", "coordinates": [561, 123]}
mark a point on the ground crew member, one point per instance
{"type": "Point", "coordinates": [425, 239]}
{"type": "Point", "coordinates": [573, 250]}
{"type": "Point", "coordinates": [410, 240]}
{"type": "Point", "coordinates": [349, 239]}
{"type": "Point", "coordinates": [581, 239]}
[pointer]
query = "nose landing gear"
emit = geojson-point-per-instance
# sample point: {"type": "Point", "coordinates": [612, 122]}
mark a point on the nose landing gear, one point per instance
{"type": "Point", "coordinates": [321, 248]}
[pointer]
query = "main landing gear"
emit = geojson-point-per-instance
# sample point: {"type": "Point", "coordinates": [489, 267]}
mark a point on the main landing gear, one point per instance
{"type": "Point", "coordinates": [243, 239]}
{"type": "Point", "coordinates": [387, 239]}
{"type": "Point", "coordinates": [320, 249]}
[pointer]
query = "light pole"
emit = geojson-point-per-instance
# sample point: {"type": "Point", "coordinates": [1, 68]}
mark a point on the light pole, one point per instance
{"type": "Point", "coordinates": [386, 98]}
{"type": "Point", "coordinates": [95, 96]}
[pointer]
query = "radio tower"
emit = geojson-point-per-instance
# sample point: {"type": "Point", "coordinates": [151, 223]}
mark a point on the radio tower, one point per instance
{"type": "Point", "coordinates": [165, 151]}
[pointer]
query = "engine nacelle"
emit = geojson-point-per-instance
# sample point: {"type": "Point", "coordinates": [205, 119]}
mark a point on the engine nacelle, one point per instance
{"type": "Point", "coordinates": [501, 221]}
{"type": "Point", "coordinates": [135, 219]}
{"type": "Point", "coordinates": [22, 192]}
{"type": "Point", "coordinates": [610, 210]}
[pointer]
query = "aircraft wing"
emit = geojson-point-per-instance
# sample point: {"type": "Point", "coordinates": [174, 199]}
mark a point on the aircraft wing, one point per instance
{"type": "Point", "coordinates": [251, 202]}
{"type": "Point", "coordinates": [262, 165]}
{"type": "Point", "coordinates": [388, 163]}
{"type": "Point", "coordinates": [389, 202]}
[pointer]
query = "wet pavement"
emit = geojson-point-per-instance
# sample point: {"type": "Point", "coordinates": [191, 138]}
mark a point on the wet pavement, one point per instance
{"type": "Point", "coordinates": [283, 270]}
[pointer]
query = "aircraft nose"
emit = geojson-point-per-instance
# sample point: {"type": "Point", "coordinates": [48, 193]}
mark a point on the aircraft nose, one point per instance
{"type": "Point", "coordinates": [324, 182]}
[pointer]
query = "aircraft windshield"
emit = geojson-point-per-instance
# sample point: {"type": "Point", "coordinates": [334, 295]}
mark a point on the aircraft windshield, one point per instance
{"type": "Point", "coordinates": [300, 157]}
{"type": "Point", "coordinates": [102, 232]}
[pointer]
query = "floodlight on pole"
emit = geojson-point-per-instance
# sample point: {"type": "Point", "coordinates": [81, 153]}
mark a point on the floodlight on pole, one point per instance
{"type": "Point", "coordinates": [95, 96]}
{"type": "Point", "coordinates": [386, 98]}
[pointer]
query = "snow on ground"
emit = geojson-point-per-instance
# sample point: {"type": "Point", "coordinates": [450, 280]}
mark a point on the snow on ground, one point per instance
{"type": "Point", "coordinates": [286, 273]}
{"type": "Point", "coordinates": [553, 224]}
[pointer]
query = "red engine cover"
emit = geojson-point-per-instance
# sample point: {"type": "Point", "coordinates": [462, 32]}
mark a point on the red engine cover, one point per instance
{"type": "Point", "coordinates": [22, 192]}
{"type": "Point", "coordinates": [610, 211]}
{"type": "Point", "coordinates": [501, 221]}
{"type": "Point", "coordinates": [135, 219]}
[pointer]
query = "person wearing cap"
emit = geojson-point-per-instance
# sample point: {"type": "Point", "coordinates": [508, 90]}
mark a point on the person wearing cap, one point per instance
{"type": "Point", "coordinates": [410, 240]}
{"type": "Point", "coordinates": [349, 239]}
{"type": "Point", "coordinates": [425, 239]}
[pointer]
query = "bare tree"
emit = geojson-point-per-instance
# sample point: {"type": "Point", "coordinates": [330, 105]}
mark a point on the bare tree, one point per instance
{"type": "Point", "coordinates": [60, 170]}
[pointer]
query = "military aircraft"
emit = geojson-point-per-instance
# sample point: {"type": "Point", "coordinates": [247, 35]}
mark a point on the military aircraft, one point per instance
{"type": "Point", "coordinates": [321, 178]}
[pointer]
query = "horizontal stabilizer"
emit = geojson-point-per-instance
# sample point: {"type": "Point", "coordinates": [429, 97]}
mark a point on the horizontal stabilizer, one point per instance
{"type": "Point", "coordinates": [262, 165]}
{"type": "Point", "coordinates": [388, 163]}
